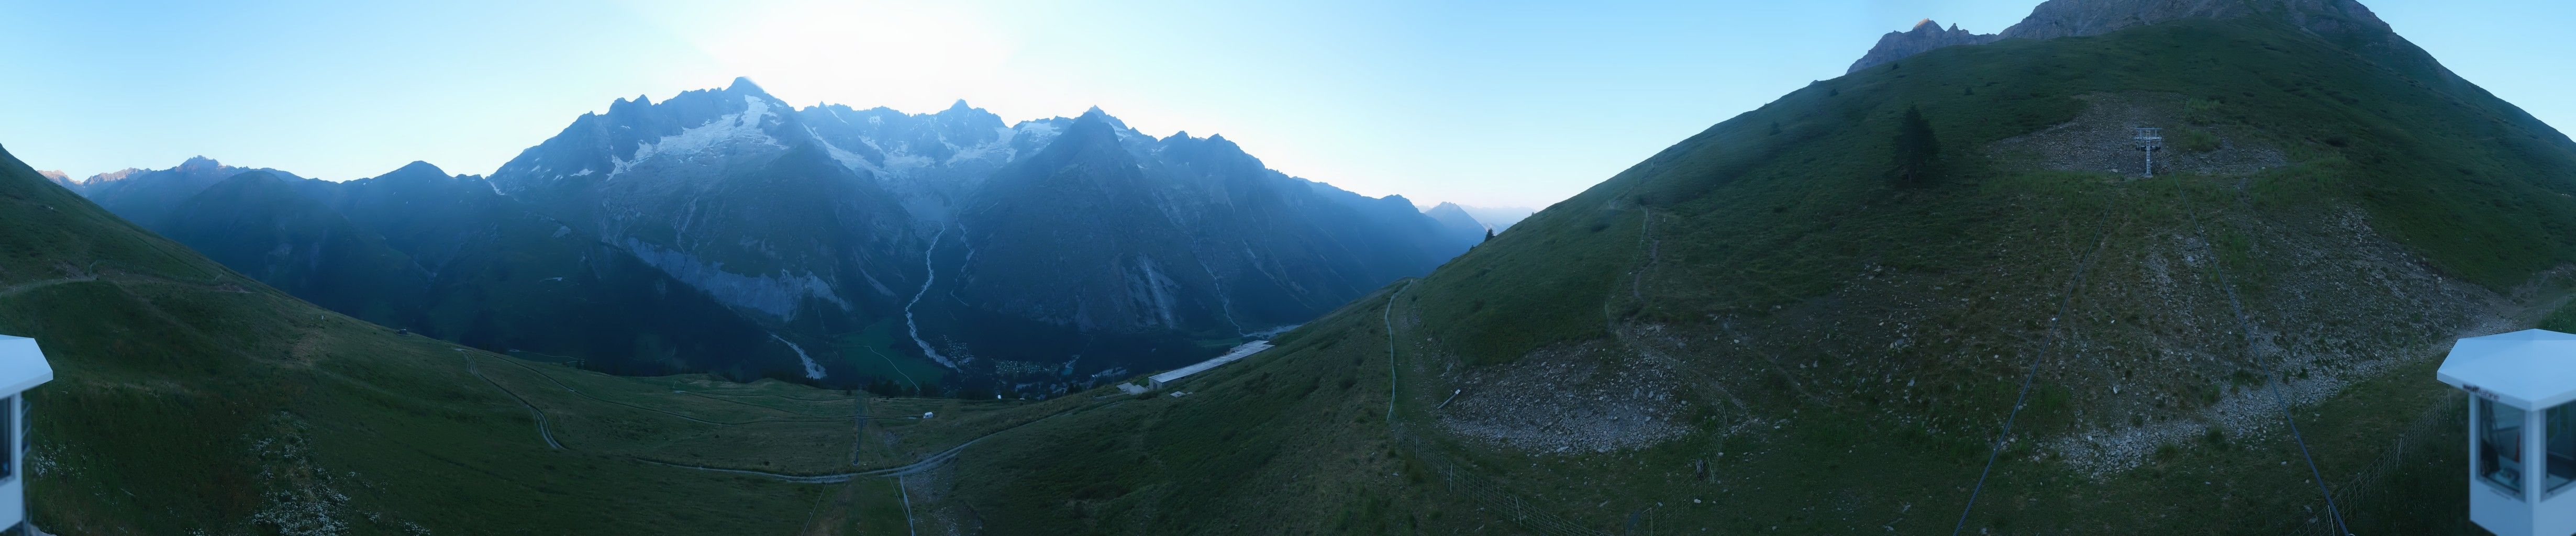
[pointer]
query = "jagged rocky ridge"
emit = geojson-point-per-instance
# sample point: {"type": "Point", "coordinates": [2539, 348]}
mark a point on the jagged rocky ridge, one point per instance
{"type": "Point", "coordinates": [816, 244]}
{"type": "Point", "coordinates": [1033, 242]}
{"type": "Point", "coordinates": [1924, 37]}
{"type": "Point", "coordinates": [2342, 21]}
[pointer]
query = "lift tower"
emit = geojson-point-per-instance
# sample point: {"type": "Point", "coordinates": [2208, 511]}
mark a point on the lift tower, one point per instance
{"type": "Point", "coordinates": [2149, 140]}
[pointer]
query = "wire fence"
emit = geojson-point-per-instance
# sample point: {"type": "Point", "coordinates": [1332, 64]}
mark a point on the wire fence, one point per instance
{"type": "Point", "coordinates": [1487, 494]}
{"type": "Point", "coordinates": [2357, 489]}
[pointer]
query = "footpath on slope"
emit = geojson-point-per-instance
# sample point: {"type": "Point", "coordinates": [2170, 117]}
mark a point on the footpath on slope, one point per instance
{"type": "Point", "coordinates": [542, 431]}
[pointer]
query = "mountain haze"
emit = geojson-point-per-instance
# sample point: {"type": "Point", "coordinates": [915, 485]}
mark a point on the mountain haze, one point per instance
{"type": "Point", "coordinates": [142, 195]}
{"type": "Point", "coordinates": [725, 231]}
{"type": "Point", "coordinates": [1499, 218]}
{"type": "Point", "coordinates": [256, 224]}
{"type": "Point", "coordinates": [59, 178]}
{"type": "Point", "coordinates": [1081, 235]}
{"type": "Point", "coordinates": [1456, 219]}
{"type": "Point", "coordinates": [447, 257]}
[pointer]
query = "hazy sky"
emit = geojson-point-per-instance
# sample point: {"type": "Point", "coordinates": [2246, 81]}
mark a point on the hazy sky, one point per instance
{"type": "Point", "coordinates": [1483, 103]}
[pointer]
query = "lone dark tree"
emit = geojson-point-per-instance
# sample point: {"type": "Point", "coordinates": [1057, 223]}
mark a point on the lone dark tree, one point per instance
{"type": "Point", "coordinates": [1489, 234]}
{"type": "Point", "coordinates": [1917, 152]}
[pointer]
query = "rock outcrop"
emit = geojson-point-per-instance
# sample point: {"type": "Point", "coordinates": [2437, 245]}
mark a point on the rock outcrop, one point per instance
{"type": "Point", "coordinates": [59, 178]}
{"type": "Point", "coordinates": [2065, 18]}
{"type": "Point", "coordinates": [2341, 21]}
{"type": "Point", "coordinates": [1924, 37]}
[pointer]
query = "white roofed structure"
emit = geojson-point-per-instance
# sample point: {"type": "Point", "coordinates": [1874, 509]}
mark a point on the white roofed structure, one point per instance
{"type": "Point", "coordinates": [2522, 429]}
{"type": "Point", "coordinates": [22, 367]}
{"type": "Point", "coordinates": [1239, 352]}
{"type": "Point", "coordinates": [2533, 368]}
{"type": "Point", "coordinates": [22, 364]}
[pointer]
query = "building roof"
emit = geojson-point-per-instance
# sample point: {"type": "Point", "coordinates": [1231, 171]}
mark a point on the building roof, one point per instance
{"type": "Point", "coordinates": [22, 365]}
{"type": "Point", "coordinates": [2532, 368]}
{"type": "Point", "coordinates": [1239, 352]}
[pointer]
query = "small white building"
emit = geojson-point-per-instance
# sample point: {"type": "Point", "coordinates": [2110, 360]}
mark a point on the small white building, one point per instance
{"type": "Point", "coordinates": [1239, 352]}
{"type": "Point", "coordinates": [22, 367]}
{"type": "Point", "coordinates": [2522, 429]}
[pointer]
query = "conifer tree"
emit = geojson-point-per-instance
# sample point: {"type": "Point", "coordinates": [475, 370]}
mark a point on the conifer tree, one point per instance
{"type": "Point", "coordinates": [1917, 152]}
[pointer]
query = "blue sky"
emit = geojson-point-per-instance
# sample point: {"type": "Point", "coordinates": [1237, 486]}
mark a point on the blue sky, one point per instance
{"type": "Point", "coordinates": [1483, 103]}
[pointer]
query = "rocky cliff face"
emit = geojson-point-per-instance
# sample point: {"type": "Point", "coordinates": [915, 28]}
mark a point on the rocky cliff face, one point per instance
{"type": "Point", "coordinates": [2344, 22]}
{"type": "Point", "coordinates": [1924, 37]}
{"type": "Point", "coordinates": [2065, 18]}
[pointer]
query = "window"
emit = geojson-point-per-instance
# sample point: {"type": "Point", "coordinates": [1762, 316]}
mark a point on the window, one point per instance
{"type": "Point", "coordinates": [2562, 447]}
{"type": "Point", "coordinates": [8, 411]}
{"type": "Point", "coordinates": [2500, 446]}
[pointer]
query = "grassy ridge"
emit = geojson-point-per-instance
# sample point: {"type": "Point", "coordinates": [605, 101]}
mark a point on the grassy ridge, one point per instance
{"type": "Point", "coordinates": [190, 398]}
{"type": "Point", "coordinates": [1876, 333]}
{"type": "Point", "coordinates": [1771, 196]}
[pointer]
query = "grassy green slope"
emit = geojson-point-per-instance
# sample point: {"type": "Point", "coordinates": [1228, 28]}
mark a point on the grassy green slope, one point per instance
{"type": "Point", "coordinates": [191, 398]}
{"type": "Point", "coordinates": [1290, 441]}
{"type": "Point", "coordinates": [1840, 349]}
{"type": "Point", "coordinates": [2454, 176]}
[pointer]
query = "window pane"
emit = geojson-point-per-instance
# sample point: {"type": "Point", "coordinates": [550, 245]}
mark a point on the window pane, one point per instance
{"type": "Point", "coordinates": [2562, 446]}
{"type": "Point", "coordinates": [6, 413]}
{"type": "Point", "coordinates": [2500, 445]}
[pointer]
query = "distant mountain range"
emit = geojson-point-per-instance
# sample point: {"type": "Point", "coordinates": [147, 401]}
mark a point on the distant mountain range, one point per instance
{"type": "Point", "coordinates": [725, 231]}
{"type": "Point", "coordinates": [448, 257]}
{"type": "Point", "coordinates": [1498, 218]}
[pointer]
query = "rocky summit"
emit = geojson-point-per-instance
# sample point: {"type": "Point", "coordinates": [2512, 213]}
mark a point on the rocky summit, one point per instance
{"type": "Point", "coordinates": [2340, 20]}
{"type": "Point", "coordinates": [1924, 37]}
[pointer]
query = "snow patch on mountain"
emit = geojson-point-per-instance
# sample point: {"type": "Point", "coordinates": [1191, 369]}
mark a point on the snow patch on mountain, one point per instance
{"type": "Point", "coordinates": [695, 142]}
{"type": "Point", "coordinates": [904, 165]}
{"type": "Point", "coordinates": [848, 159]}
{"type": "Point", "coordinates": [1039, 133]}
{"type": "Point", "coordinates": [1000, 147]}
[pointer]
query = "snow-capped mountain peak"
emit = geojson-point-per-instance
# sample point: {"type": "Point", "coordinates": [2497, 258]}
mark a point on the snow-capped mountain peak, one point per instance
{"type": "Point", "coordinates": [709, 139]}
